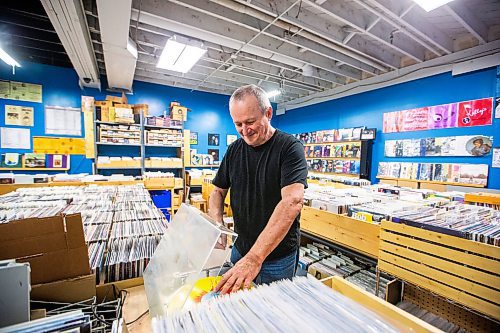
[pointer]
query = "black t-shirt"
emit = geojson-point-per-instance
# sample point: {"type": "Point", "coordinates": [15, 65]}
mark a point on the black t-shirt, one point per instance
{"type": "Point", "coordinates": [256, 176]}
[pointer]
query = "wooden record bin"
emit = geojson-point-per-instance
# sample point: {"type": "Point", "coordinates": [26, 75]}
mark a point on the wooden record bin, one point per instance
{"type": "Point", "coordinates": [360, 236]}
{"type": "Point", "coordinates": [403, 321]}
{"type": "Point", "coordinates": [460, 270]}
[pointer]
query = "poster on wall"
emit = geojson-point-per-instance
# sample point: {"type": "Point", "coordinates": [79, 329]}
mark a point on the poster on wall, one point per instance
{"type": "Point", "coordinates": [15, 138]}
{"type": "Point", "coordinates": [415, 119]}
{"type": "Point", "coordinates": [462, 114]}
{"type": "Point", "coordinates": [443, 116]}
{"type": "Point", "coordinates": [231, 138]}
{"type": "Point", "coordinates": [495, 163]}
{"type": "Point", "coordinates": [18, 115]}
{"type": "Point", "coordinates": [465, 145]}
{"type": "Point", "coordinates": [392, 122]}
{"type": "Point", "coordinates": [193, 138]}
{"type": "Point", "coordinates": [63, 120]}
{"type": "Point", "coordinates": [214, 153]}
{"type": "Point", "coordinates": [213, 139]}
{"type": "Point", "coordinates": [475, 113]}
{"type": "Point", "coordinates": [21, 91]}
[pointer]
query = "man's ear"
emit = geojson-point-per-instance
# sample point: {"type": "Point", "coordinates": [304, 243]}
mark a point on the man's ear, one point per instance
{"type": "Point", "coordinates": [269, 113]}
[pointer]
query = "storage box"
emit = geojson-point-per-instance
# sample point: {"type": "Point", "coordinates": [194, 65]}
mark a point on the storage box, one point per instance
{"type": "Point", "coordinates": [179, 182]}
{"type": "Point", "coordinates": [68, 290]}
{"type": "Point", "coordinates": [54, 246]}
{"type": "Point", "coordinates": [178, 112]}
{"type": "Point", "coordinates": [137, 108]}
{"type": "Point", "coordinates": [159, 182]}
{"type": "Point", "coordinates": [103, 103]}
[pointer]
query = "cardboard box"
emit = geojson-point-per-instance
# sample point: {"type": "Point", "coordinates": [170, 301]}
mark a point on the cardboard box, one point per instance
{"type": "Point", "coordinates": [104, 103]}
{"type": "Point", "coordinates": [141, 107]}
{"type": "Point", "coordinates": [54, 246]}
{"type": "Point", "coordinates": [178, 112]}
{"type": "Point", "coordinates": [179, 182]}
{"type": "Point", "coordinates": [68, 290]}
{"type": "Point", "coordinates": [116, 99]}
{"type": "Point", "coordinates": [159, 182]}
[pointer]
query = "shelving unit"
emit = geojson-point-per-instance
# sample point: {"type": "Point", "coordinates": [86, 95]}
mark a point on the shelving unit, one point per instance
{"type": "Point", "coordinates": [142, 135]}
{"type": "Point", "coordinates": [341, 157]}
{"type": "Point", "coordinates": [427, 184]}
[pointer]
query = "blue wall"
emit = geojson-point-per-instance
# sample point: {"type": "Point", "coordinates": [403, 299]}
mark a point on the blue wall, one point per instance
{"type": "Point", "coordinates": [367, 109]}
{"type": "Point", "coordinates": [209, 112]}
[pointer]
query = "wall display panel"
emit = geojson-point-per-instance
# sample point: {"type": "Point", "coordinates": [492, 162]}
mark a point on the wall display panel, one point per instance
{"type": "Point", "coordinates": [467, 174]}
{"type": "Point", "coordinates": [466, 145]}
{"type": "Point", "coordinates": [462, 114]}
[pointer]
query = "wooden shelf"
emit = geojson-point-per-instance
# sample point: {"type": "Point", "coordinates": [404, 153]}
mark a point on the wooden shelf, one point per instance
{"type": "Point", "coordinates": [115, 123]}
{"type": "Point", "coordinates": [162, 167]}
{"type": "Point", "coordinates": [165, 146]}
{"type": "Point", "coordinates": [432, 182]}
{"type": "Point", "coordinates": [118, 168]}
{"type": "Point", "coordinates": [334, 158]}
{"type": "Point", "coordinates": [163, 127]}
{"type": "Point", "coordinates": [341, 229]}
{"type": "Point", "coordinates": [118, 144]}
{"type": "Point", "coordinates": [356, 175]}
{"type": "Point", "coordinates": [329, 143]}
{"type": "Point", "coordinates": [34, 169]}
{"type": "Point", "coordinates": [203, 166]}
{"type": "Point", "coordinates": [119, 136]}
{"type": "Point", "coordinates": [485, 198]}
{"type": "Point", "coordinates": [119, 130]}
{"type": "Point", "coordinates": [458, 269]}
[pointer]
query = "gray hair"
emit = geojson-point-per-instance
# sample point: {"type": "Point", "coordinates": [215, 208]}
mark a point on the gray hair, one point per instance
{"type": "Point", "coordinates": [251, 89]}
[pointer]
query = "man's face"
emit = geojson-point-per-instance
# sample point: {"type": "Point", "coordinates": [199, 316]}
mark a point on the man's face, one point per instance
{"type": "Point", "coordinates": [249, 121]}
{"type": "Point", "coordinates": [477, 144]}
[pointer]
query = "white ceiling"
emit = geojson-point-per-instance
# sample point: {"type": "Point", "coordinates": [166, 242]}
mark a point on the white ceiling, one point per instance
{"type": "Point", "coordinates": [305, 47]}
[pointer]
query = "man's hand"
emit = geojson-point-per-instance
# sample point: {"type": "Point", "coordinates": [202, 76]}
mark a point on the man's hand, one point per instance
{"type": "Point", "coordinates": [242, 274]}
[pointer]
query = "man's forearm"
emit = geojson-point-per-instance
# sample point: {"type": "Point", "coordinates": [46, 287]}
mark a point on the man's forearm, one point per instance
{"type": "Point", "coordinates": [216, 204]}
{"type": "Point", "coordinates": [280, 222]}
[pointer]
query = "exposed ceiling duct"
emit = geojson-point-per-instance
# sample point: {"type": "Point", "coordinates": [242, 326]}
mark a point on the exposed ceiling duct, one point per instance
{"type": "Point", "coordinates": [68, 19]}
{"type": "Point", "coordinates": [120, 52]}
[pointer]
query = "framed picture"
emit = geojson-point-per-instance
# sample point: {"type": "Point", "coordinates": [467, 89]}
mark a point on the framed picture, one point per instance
{"type": "Point", "coordinates": [193, 139]}
{"type": "Point", "coordinates": [214, 153]}
{"type": "Point", "coordinates": [213, 139]}
{"type": "Point", "coordinates": [231, 138]}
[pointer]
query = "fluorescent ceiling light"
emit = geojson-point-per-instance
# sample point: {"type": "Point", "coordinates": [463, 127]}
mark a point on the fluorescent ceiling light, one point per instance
{"type": "Point", "coordinates": [8, 59]}
{"type": "Point", "coordinates": [429, 5]}
{"type": "Point", "coordinates": [273, 93]}
{"type": "Point", "coordinates": [180, 54]}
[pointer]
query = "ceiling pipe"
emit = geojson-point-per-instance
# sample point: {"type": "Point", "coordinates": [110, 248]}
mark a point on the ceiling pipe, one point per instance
{"type": "Point", "coordinates": [120, 52]}
{"type": "Point", "coordinates": [304, 33]}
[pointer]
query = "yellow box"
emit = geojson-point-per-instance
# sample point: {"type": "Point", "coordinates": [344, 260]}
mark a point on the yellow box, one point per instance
{"type": "Point", "coordinates": [178, 112]}
{"type": "Point", "coordinates": [159, 182]}
{"type": "Point", "coordinates": [179, 182]}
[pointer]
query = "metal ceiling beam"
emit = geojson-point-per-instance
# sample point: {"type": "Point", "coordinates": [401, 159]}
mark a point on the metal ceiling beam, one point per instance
{"type": "Point", "coordinates": [199, 72]}
{"type": "Point", "coordinates": [173, 83]}
{"type": "Point", "coordinates": [349, 16]}
{"type": "Point", "coordinates": [316, 29]}
{"type": "Point", "coordinates": [320, 78]}
{"type": "Point", "coordinates": [468, 20]}
{"type": "Point", "coordinates": [153, 41]}
{"type": "Point", "coordinates": [182, 20]}
{"type": "Point", "coordinates": [286, 33]}
{"type": "Point", "coordinates": [414, 22]}
{"type": "Point", "coordinates": [431, 67]}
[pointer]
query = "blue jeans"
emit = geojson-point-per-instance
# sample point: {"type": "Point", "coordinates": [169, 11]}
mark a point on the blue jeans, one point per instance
{"type": "Point", "coordinates": [273, 270]}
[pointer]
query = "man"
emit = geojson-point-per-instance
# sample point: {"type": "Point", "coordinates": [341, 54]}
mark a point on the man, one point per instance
{"type": "Point", "coordinates": [480, 148]}
{"type": "Point", "coordinates": [266, 171]}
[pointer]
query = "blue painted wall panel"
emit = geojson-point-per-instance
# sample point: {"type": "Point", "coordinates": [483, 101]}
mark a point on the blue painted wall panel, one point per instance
{"type": "Point", "coordinates": [209, 112]}
{"type": "Point", "coordinates": [367, 109]}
